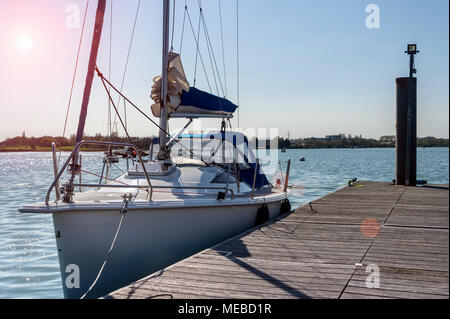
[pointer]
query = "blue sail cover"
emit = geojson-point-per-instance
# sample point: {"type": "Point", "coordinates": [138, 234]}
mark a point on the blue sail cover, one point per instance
{"type": "Point", "coordinates": [200, 102]}
{"type": "Point", "coordinates": [185, 101]}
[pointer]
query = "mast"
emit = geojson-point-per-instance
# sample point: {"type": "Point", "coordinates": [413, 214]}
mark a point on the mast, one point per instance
{"type": "Point", "coordinates": [75, 166]}
{"type": "Point", "coordinates": [163, 152]}
{"type": "Point", "coordinates": [91, 68]}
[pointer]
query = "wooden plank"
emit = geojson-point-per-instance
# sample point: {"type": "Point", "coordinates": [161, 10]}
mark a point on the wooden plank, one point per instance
{"type": "Point", "coordinates": [393, 294]}
{"type": "Point", "coordinates": [412, 281]}
{"type": "Point", "coordinates": [306, 275]}
{"type": "Point", "coordinates": [313, 270]}
{"type": "Point", "coordinates": [402, 287]}
{"type": "Point", "coordinates": [232, 290]}
{"type": "Point", "coordinates": [419, 217]}
{"type": "Point", "coordinates": [254, 283]}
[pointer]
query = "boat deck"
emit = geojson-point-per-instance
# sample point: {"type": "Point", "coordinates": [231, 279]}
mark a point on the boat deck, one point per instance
{"type": "Point", "coordinates": [329, 249]}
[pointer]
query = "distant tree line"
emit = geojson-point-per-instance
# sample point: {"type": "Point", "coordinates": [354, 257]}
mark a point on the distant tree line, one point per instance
{"type": "Point", "coordinates": [348, 141]}
{"type": "Point", "coordinates": [46, 141]}
{"type": "Point", "coordinates": [330, 141]}
{"type": "Point", "coordinates": [432, 142]}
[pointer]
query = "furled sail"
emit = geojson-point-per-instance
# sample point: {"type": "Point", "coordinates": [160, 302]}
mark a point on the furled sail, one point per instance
{"type": "Point", "coordinates": [182, 99]}
{"type": "Point", "coordinates": [177, 83]}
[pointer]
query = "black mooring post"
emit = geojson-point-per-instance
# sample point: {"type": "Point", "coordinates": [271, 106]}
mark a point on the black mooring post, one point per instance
{"type": "Point", "coordinates": [401, 145]}
{"type": "Point", "coordinates": [406, 127]}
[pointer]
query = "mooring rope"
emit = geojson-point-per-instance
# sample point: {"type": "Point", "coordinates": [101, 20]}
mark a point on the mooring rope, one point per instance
{"type": "Point", "coordinates": [122, 213]}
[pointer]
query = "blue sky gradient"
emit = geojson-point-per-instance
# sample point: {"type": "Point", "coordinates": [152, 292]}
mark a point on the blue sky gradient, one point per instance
{"type": "Point", "coordinates": [310, 67]}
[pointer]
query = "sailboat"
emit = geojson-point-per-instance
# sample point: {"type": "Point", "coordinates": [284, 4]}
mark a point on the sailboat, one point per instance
{"type": "Point", "coordinates": [162, 209]}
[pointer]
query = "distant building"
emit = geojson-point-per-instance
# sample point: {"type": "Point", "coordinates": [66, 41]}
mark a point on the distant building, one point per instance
{"type": "Point", "coordinates": [334, 137]}
{"type": "Point", "coordinates": [388, 138]}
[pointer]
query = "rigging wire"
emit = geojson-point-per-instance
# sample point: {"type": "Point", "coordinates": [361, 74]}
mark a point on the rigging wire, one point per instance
{"type": "Point", "coordinates": [115, 108]}
{"type": "Point", "coordinates": [182, 29]}
{"type": "Point", "coordinates": [237, 60]}
{"type": "Point", "coordinates": [223, 49]}
{"type": "Point", "coordinates": [140, 111]}
{"type": "Point", "coordinates": [126, 99]}
{"type": "Point", "coordinates": [126, 63]}
{"type": "Point", "coordinates": [173, 25]}
{"type": "Point", "coordinates": [109, 75]}
{"type": "Point", "coordinates": [210, 48]}
{"type": "Point", "coordinates": [199, 53]}
{"type": "Point", "coordinates": [106, 178]}
{"type": "Point", "coordinates": [212, 57]}
{"type": "Point", "coordinates": [75, 69]}
{"type": "Point", "coordinates": [74, 75]}
{"type": "Point", "coordinates": [198, 48]}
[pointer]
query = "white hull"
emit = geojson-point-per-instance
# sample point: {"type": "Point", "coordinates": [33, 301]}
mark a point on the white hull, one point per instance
{"type": "Point", "coordinates": [149, 240]}
{"type": "Point", "coordinates": [174, 209]}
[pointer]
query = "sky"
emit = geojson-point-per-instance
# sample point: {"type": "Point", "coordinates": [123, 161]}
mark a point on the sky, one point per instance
{"type": "Point", "coordinates": [310, 68]}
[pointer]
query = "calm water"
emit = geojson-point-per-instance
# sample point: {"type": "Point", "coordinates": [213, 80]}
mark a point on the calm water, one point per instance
{"type": "Point", "coordinates": [28, 258]}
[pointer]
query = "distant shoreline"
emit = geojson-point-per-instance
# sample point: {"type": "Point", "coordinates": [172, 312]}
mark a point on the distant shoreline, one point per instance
{"type": "Point", "coordinates": [45, 149]}
{"type": "Point", "coordinates": [48, 149]}
{"type": "Point", "coordinates": [43, 144]}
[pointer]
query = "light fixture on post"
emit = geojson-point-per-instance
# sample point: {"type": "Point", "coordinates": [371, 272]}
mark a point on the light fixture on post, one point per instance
{"type": "Point", "coordinates": [411, 129]}
{"type": "Point", "coordinates": [412, 51]}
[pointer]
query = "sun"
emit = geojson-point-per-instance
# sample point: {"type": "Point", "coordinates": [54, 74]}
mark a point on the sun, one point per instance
{"type": "Point", "coordinates": [24, 42]}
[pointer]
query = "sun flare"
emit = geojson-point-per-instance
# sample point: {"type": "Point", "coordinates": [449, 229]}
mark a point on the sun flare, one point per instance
{"type": "Point", "coordinates": [24, 42]}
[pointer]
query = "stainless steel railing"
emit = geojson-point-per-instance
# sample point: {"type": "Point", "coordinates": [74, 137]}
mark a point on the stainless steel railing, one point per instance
{"type": "Point", "coordinates": [55, 170]}
{"type": "Point", "coordinates": [226, 189]}
{"type": "Point", "coordinates": [74, 153]}
{"type": "Point", "coordinates": [55, 183]}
